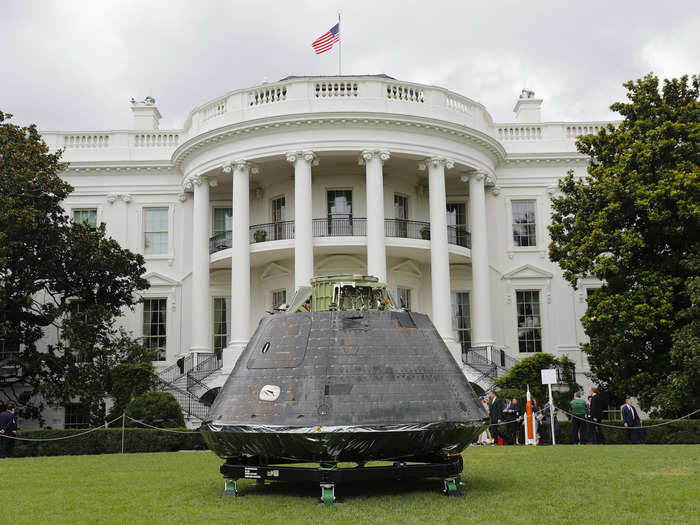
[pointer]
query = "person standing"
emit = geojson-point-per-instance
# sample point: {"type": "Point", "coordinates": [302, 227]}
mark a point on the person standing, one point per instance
{"type": "Point", "coordinates": [519, 418]}
{"type": "Point", "coordinates": [596, 417]}
{"type": "Point", "coordinates": [496, 416]}
{"type": "Point", "coordinates": [508, 418]}
{"type": "Point", "coordinates": [631, 420]}
{"type": "Point", "coordinates": [8, 427]}
{"type": "Point", "coordinates": [578, 420]}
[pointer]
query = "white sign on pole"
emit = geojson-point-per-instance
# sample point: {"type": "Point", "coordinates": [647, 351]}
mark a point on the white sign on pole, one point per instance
{"type": "Point", "coordinates": [549, 376]}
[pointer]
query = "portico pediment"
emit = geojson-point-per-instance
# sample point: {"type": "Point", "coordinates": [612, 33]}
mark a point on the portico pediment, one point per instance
{"type": "Point", "coordinates": [158, 279]}
{"type": "Point", "coordinates": [408, 267]}
{"type": "Point", "coordinates": [527, 271]}
{"type": "Point", "coordinates": [274, 270]}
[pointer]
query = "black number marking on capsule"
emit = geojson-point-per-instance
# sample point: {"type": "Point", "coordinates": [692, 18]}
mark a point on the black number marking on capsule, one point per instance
{"type": "Point", "coordinates": [266, 347]}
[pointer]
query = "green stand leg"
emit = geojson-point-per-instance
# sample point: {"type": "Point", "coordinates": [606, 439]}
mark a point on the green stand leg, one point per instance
{"type": "Point", "coordinates": [451, 488]}
{"type": "Point", "coordinates": [327, 493]}
{"type": "Point", "coordinates": [230, 488]}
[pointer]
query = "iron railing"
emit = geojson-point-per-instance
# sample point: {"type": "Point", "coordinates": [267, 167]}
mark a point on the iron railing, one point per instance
{"type": "Point", "coordinates": [220, 241]}
{"type": "Point", "coordinates": [272, 231]}
{"type": "Point", "coordinates": [340, 227]}
{"type": "Point", "coordinates": [459, 235]}
{"type": "Point", "coordinates": [336, 226]}
{"type": "Point", "coordinates": [491, 361]}
{"type": "Point", "coordinates": [189, 403]}
{"type": "Point", "coordinates": [406, 229]}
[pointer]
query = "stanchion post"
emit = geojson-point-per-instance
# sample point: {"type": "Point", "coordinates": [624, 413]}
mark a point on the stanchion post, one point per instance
{"type": "Point", "coordinates": [123, 422]}
{"type": "Point", "coordinates": [551, 412]}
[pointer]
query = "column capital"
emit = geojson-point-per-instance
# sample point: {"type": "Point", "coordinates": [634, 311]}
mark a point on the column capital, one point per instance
{"type": "Point", "coordinates": [368, 154]}
{"type": "Point", "coordinates": [198, 179]}
{"type": "Point", "coordinates": [480, 176]}
{"type": "Point", "coordinates": [239, 165]}
{"type": "Point", "coordinates": [306, 155]}
{"type": "Point", "coordinates": [436, 162]}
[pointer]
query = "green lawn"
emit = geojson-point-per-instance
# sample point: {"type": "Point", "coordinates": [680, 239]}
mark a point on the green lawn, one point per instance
{"type": "Point", "coordinates": [563, 484]}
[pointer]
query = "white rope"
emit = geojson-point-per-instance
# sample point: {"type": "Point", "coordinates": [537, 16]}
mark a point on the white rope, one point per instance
{"type": "Point", "coordinates": [624, 427]}
{"type": "Point", "coordinates": [62, 437]}
{"type": "Point", "coordinates": [163, 429]}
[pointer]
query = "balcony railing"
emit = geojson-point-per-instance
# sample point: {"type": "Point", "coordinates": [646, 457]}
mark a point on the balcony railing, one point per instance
{"type": "Point", "coordinates": [341, 227]}
{"type": "Point", "coordinates": [406, 229]}
{"type": "Point", "coordinates": [272, 231]}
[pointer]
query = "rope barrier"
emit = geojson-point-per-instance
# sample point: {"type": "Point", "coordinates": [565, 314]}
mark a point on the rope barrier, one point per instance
{"type": "Point", "coordinates": [163, 429]}
{"type": "Point", "coordinates": [626, 428]}
{"type": "Point", "coordinates": [62, 437]}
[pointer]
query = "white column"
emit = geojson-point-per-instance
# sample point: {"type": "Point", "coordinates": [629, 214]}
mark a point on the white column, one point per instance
{"type": "Point", "coordinates": [303, 239]}
{"type": "Point", "coordinates": [240, 262]}
{"type": "Point", "coordinates": [376, 249]}
{"type": "Point", "coordinates": [201, 319]}
{"type": "Point", "coordinates": [480, 299]}
{"type": "Point", "coordinates": [439, 256]}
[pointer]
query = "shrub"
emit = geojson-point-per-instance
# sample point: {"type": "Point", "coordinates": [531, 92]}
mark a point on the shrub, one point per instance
{"type": "Point", "coordinates": [105, 441]}
{"type": "Point", "coordinates": [128, 381]}
{"type": "Point", "coordinates": [159, 409]}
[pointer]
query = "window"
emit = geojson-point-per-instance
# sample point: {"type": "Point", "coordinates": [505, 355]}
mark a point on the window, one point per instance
{"type": "Point", "coordinates": [400, 225]}
{"type": "Point", "coordinates": [281, 229]}
{"type": "Point", "coordinates": [461, 314]}
{"type": "Point", "coordinates": [279, 297]}
{"type": "Point", "coordinates": [222, 323]}
{"type": "Point", "coordinates": [154, 324]}
{"type": "Point", "coordinates": [524, 228]}
{"type": "Point", "coordinates": [223, 220]}
{"type": "Point", "coordinates": [529, 321]}
{"type": "Point", "coordinates": [155, 238]}
{"type": "Point", "coordinates": [77, 312]}
{"type": "Point", "coordinates": [278, 209]}
{"type": "Point", "coordinates": [456, 223]}
{"type": "Point", "coordinates": [88, 215]}
{"type": "Point", "coordinates": [339, 212]}
{"type": "Point", "coordinates": [76, 416]}
{"type": "Point", "coordinates": [404, 297]}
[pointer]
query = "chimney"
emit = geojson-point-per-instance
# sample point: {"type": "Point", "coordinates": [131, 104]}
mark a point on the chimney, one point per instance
{"type": "Point", "coordinates": [146, 114]}
{"type": "Point", "coordinates": [528, 108]}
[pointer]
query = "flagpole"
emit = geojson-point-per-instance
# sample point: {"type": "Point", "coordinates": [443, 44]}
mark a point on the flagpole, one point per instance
{"type": "Point", "coordinates": [340, 44]}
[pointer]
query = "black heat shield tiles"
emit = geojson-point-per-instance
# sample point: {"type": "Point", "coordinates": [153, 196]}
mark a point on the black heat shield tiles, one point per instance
{"type": "Point", "coordinates": [346, 368]}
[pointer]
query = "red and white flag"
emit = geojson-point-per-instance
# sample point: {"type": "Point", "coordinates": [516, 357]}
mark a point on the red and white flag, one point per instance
{"type": "Point", "coordinates": [326, 41]}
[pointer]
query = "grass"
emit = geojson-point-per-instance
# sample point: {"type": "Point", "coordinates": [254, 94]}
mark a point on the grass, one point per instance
{"type": "Point", "coordinates": [563, 484]}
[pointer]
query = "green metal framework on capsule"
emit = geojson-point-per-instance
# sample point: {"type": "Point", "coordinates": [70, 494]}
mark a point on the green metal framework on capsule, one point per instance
{"type": "Point", "coordinates": [342, 292]}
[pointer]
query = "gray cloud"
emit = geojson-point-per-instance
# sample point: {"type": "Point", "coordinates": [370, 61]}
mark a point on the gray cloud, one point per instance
{"type": "Point", "coordinates": [74, 65]}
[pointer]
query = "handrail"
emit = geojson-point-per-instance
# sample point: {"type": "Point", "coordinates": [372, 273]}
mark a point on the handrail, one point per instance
{"type": "Point", "coordinates": [340, 226]}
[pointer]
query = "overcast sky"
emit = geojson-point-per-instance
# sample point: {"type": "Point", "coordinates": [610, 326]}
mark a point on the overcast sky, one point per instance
{"type": "Point", "coordinates": [73, 65]}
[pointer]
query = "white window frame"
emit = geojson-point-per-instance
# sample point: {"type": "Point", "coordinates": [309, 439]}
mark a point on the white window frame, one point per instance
{"type": "Point", "coordinates": [87, 206]}
{"type": "Point", "coordinates": [540, 228]}
{"type": "Point", "coordinates": [522, 287]}
{"type": "Point", "coordinates": [272, 296]}
{"type": "Point", "coordinates": [168, 321]}
{"type": "Point", "coordinates": [212, 215]}
{"type": "Point", "coordinates": [410, 294]}
{"type": "Point", "coordinates": [271, 207]}
{"type": "Point", "coordinates": [170, 255]}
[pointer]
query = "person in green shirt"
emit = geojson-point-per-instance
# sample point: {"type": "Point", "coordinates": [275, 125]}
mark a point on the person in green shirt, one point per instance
{"type": "Point", "coordinates": [578, 419]}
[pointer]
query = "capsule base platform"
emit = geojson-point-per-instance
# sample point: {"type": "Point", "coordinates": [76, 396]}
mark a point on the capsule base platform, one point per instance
{"type": "Point", "coordinates": [328, 475]}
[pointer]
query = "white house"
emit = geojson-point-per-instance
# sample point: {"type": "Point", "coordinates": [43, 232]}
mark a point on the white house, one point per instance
{"type": "Point", "coordinates": [265, 187]}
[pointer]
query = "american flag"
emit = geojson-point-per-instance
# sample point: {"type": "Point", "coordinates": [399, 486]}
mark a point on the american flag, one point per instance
{"type": "Point", "coordinates": [325, 42]}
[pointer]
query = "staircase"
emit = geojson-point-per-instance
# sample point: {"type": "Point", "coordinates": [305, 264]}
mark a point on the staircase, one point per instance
{"type": "Point", "coordinates": [486, 364]}
{"type": "Point", "coordinates": [185, 381]}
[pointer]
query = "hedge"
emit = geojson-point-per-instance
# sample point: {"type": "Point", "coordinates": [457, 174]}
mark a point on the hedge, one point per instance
{"type": "Point", "coordinates": [685, 432]}
{"type": "Point", "coordinates": [105, 441]}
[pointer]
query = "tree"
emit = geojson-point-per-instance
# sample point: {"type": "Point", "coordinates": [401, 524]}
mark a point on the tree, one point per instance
{"type": "Point", "coordinates": [633, 222]}
{"type": "Point", "coordinates": [528, 373]}
{"type": "Point", "coordinates": [158, 409]}
{"type": "Point", "coordinates": [128, 381]}
{"type": "Point", "coordinates": [63, 281]}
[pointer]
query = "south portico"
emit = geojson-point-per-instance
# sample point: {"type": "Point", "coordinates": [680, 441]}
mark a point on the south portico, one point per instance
{"type": "Point", "coordinates": [240, 173]}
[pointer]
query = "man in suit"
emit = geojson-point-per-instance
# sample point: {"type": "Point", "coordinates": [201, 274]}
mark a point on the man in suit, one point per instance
{"type": "Point", "coordinates": [631, 420]}
{"type": "Point", "coordinates": [496, 415]}
{"type": "Point", "coordinates": [8, 427]}
{"type": "Point", "coordinates": [508, 418]}
{"type": "Point", "coordinates": [596, 417]}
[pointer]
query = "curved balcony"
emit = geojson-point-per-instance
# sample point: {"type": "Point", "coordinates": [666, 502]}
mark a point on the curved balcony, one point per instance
{"type": "Point", "coordinates": [341, 227]}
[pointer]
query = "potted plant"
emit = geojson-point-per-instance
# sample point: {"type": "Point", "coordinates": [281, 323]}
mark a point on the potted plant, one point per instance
{"type": "Point", "coordinates": [260, 235]}
{"type": "Point", "coordinates": [425, 233]}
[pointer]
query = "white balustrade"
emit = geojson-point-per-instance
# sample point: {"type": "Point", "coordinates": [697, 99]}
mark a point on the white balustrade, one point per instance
{"type": "Point", "coordinates": [266, 95]}
{"type": "Point", "coordinates": [575, 131]}
{"type": "Point", "coordinates": [520, 132]}
{"type": "Point", "coordinates": [156, 140]}
{"type": "Point", "coordinates": [407, 93]}
{"type": "Point", "coordinates": [459, 104]}
{"type": "Point", "coordinates": [336, 89]}
{"type": "Point", "coordinates": [215, 109]}
{"type": "Point", "coordinates": [85, 141]}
